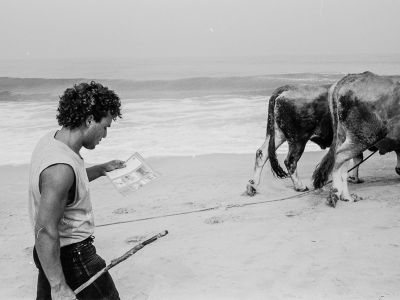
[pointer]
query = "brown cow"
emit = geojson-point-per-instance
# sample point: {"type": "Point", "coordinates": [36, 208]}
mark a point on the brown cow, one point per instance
{"type": "Point", "coordinates": [364, 108]}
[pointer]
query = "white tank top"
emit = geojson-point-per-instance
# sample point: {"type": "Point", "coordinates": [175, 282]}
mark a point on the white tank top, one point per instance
{"type": "Point", "coordinates": [77, 222]}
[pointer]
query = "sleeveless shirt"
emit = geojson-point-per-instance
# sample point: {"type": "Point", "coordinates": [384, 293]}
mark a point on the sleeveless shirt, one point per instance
{"type": "Point", "coordinates": [77, 222]}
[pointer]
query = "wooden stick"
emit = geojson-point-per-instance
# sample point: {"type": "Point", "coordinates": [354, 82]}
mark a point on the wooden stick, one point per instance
{"type": "Point", "coordinates": [116, 261]}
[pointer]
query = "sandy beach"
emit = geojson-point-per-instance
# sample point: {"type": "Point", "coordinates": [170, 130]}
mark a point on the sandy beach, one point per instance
{"type": "Point", "coordinates": [194, 79]}
{"type": "Point", "coordinates": [293, 249]}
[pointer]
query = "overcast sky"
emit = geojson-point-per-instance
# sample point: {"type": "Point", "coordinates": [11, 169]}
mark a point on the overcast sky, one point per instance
{"type": "Point", "coordinates": [196, 28]}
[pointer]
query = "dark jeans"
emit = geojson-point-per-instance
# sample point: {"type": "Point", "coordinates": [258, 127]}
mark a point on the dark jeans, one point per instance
{"type": "Point", "coordinates": [79, 262]}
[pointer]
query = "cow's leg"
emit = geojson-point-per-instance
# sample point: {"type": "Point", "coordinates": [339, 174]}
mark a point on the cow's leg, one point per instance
{"type": "Point", "coordinates": [398, 162]}
{"type": "Point", "coordinates": [295, 152]}
{"type": "Point", "coordinates": [344, 153]}
{"type": "Point", "coordinates": [345, 195]}
{"type": "Point", "coordinates": [353, 175]}
{"type": "Point", "coordinates": [261, 159]}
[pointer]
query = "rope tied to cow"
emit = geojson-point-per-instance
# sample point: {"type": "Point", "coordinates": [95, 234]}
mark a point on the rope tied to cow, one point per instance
{"type": "Point", "coordinates": [229, 206]}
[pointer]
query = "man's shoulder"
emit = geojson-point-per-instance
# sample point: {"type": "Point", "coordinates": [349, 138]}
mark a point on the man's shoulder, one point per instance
{"type": "Point", "coordinates": [44, 145]}
{"type": "Point", "coordinates": [59, 168]}
{"type": "Point", "coordinates": [46, 138]}
{"type": "Point", "coordinates": [50, 152]}
{"type": "Point", "coordinates": [58, 175]}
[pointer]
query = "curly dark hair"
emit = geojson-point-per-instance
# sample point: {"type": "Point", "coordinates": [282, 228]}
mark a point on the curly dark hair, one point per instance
{"type": "Point", "coordinates": [85, 99]}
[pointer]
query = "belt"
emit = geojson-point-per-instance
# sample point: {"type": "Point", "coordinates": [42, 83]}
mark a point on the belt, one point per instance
{"type": "Point", "coordinates": [86, 242]}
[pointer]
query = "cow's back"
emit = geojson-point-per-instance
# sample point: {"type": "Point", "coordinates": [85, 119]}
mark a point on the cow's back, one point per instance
{"type": "Point", "coordinates": [303, 94]}
{"type": "Point", "coordinates": [379, 93]}
{"type": "Point", "coordinates": [364, 102]}
{"type": "Point", "coordinates": [300, 111]}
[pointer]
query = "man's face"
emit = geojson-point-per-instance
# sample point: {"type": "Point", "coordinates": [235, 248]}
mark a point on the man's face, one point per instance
{"type": "Point", "coordinates": [96, 131]}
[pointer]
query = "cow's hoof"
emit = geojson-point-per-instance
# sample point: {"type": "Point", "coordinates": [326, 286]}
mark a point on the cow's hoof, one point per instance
{"type": "Point", "coordinates": [346, 199]}
{"type": "Point", "coordinates": [356, 198]}
{"type": "Point", "coordinates": [250, 190]}
{"type": "Point", "coordinates": [397, 170]}
{"type": "Point", "coordinates": [301, 189]}
{"type": "Point", "coordinates": [352, 198]}
{"type": "Point", "coordinates": [354, 180]}
{"type": "Point", "coordinates": [332, 198]}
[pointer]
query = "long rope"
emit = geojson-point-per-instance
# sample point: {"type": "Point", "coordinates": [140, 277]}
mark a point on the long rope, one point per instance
{"type": "Point", "coordinates": [160, 216]}
{"type": "Point", "coordinates": [229, 206]}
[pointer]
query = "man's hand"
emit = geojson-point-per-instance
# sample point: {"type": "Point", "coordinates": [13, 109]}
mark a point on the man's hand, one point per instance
{"type": "Point", "coordinates": [62, 292]}
{"type": "Point", "coordinates": [100, 170]}
{"type": "Point", "coordinates": [113, 164]}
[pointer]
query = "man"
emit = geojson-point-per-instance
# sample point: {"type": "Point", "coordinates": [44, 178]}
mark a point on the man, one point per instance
{"type": "Point", "coordinates": [59, 196]}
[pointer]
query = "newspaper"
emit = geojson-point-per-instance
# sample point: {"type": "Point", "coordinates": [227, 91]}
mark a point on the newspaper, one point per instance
{"type": "Point", "coordinates": [131, 178]}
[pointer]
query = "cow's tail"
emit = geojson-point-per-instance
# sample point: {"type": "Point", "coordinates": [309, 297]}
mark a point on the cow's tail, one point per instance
{"type": "Point", "coordinates": [325, 167]}
{"type": "Point", "coordinates": [275, 167]}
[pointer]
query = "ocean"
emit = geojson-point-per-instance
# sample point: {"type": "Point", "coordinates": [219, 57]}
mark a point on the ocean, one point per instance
{"type": "Point", "coordinates": [169, 107]}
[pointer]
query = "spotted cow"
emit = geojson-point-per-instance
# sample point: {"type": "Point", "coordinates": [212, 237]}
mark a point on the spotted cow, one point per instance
{"type": "Point", "coordinates": [365, 113]}
{"type": "Point", "coordinates": [296, 114]}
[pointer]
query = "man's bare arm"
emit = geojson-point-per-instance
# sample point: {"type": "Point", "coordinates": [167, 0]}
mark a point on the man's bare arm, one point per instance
{"type": "Point", "coordinates": [55, 183]}
{"type": "Point", "coordinates": [100, 170]}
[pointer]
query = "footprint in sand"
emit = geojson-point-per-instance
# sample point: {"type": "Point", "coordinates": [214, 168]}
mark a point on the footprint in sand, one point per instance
{"type": "Point", "coordinates": [28, 250]}
{"type": "Point", "coordinates": [123, 210]}
{"type": "Point", "coordinates": [222, 219]}
{"type": "Point", "coordinates": [292, 213]}
{"type": "Point", "coordinates": [214, 220]}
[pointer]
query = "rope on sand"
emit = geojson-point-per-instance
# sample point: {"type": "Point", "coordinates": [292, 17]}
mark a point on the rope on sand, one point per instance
{"type": "Point", "coordinates": [229, 206]}
{"type": "Point", "coordinates": [160, 216]}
